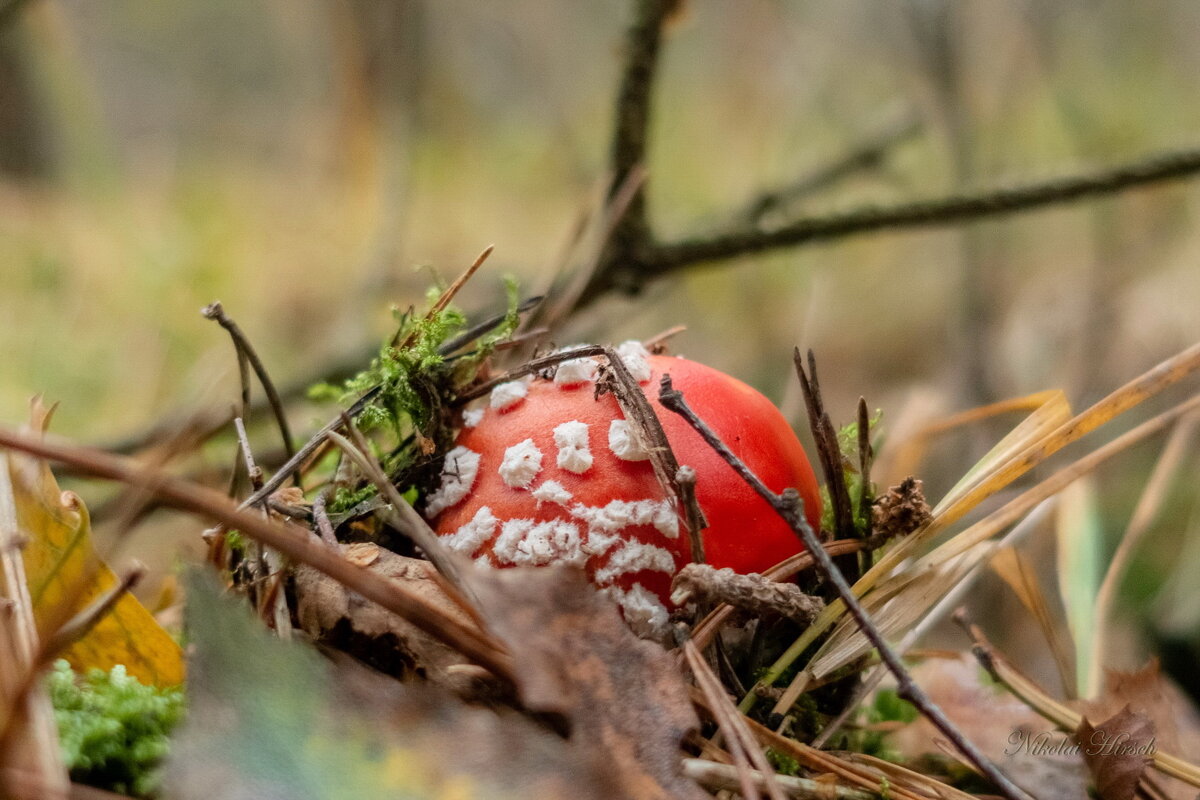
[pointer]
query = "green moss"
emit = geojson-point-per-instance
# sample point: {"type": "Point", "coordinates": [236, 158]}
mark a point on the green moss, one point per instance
{"type": "Point", "coordinates": [412, 374]}
{"type": "Point", "coordinates": [113, 729]}
{"type": "Point", "coordinates": [782, 762]}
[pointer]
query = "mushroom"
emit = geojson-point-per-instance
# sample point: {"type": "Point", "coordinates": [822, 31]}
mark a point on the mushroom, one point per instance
{"type": "Point", "coordinates": [548, 473]}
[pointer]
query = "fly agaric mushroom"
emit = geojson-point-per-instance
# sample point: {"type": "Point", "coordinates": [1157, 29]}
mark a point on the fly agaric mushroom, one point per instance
{"type": "Point", "coordinates": [548, 473]}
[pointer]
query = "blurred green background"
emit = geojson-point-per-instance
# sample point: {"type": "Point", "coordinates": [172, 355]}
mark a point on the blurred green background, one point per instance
{"type": "Point", "coordinates": [310, 162]}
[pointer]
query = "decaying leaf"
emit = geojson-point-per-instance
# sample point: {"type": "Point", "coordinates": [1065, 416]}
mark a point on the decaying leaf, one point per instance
{"type": "Point", "coordinates": [1147, 692]}
{"type": "Point", "coordinates": [1117, 752]}
{"type": "Point", "coordinates": [65, 575]}
{"type": "Point", "coordinates": [272, 719]}
{"type": "Point", "coordinates": [343, 619]}
{"type": "Point", "coordinates": [579, 661]}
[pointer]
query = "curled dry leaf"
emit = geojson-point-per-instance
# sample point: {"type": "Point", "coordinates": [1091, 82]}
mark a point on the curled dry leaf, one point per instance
{"type": "Point", "coordinates": [1117, 752]}
{"type": "Point", "coordinates": [344, 620]}
{"type": "Point", "coordinates": [579, 662]}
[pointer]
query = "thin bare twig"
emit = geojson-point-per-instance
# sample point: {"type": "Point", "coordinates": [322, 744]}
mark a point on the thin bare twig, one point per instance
{"type": "Point", "coordinates": [867, 153]}
{"type": "Point", "coordinates": [245, 350]}
{"type": "Point", "coordinates": [685, 482]}
{"type": "Point", "coordinates": [253, 471]}
{"type": "Point", "coordinates": [790, 507]}
{"type": "Point", "coordinates": [1065, 717]}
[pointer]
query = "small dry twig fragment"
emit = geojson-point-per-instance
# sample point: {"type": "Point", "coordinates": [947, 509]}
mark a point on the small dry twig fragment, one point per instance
{"type": "Point", "coordinates": [754, 593]}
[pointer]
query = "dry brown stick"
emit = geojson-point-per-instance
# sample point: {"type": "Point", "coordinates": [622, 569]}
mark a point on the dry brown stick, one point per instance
{"type": "Point", "coordinates": [790, 507]}
{"type": "Point", "coordinates": [445, 297]}
{"type": "Point", "coordinates": [636, 408]}
{"type": "Point", "coordinates": [471, 642]}
{"type": "Point", "coordinates": [935, 616]}
{"type": "Point", "coordinates": [245, 350]}
{"type": "Point", "coordinates": [528, 368]}
{"type": "Point", "coordinates": [995, 201]}
{"type": "Point", "coordinates": [742, 745]}
{"type": "Point", "coordinates": [685, 482]}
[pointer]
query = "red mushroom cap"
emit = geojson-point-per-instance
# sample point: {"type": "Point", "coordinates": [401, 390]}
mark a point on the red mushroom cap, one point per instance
{"type": "Point", "coordinates": [547, 473]}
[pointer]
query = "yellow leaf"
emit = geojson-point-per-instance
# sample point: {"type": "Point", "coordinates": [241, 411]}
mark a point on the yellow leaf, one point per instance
{"type": "Point", "coordinates": [65, 574]}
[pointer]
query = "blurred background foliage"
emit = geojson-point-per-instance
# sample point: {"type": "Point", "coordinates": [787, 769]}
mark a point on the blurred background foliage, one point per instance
{"type": "Point", "coordinates": [312, 162]}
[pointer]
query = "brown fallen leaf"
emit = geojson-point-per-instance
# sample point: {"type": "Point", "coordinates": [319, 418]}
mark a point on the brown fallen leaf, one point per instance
{"type": "Point", "coordinates": [1117, 752]}
{"type": "Point", "coordinates": [335, 616]}
{"type": "Point", "coordinates": [578, 661]}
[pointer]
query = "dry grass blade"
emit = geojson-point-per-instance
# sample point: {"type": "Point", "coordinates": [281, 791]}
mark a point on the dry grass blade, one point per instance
{"type": "Point", "coordinates": [1078, 538]}
{"type": "Point", "coordinates": [299, 546]}
{"type": "Point", "coordinates": [742, 745]}
{"type": "Point", "coordinates": [856, 775]}
{"type": "Point", "coordinates": [1014, 569]}
{"type": "Point", "coordinates": [905, 456]}
{"type": "Point", "coordinates": [1144, 513]}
